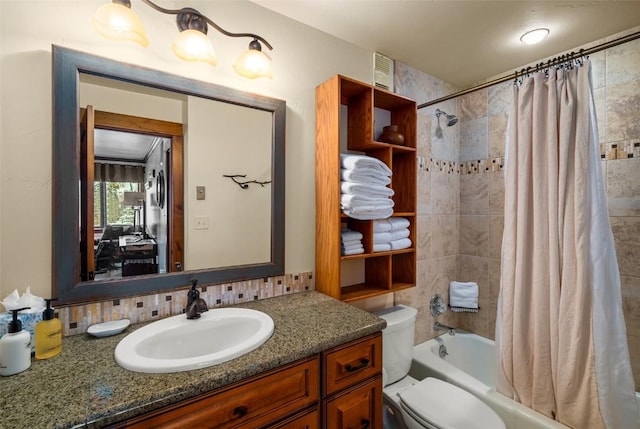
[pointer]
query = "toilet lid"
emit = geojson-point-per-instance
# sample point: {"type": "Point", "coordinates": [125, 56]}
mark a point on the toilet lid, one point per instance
{"type": "Point", "coordinates": [446, 406]}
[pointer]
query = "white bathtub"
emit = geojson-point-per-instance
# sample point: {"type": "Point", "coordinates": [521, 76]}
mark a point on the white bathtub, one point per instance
{"type": "Point", "coordinates": [470, 365]}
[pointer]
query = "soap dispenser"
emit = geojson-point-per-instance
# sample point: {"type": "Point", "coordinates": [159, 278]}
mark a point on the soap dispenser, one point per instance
{"type": "Point", "coordinates": [15, 347]}
{"type": "Point", "coordinates": [48, 334]}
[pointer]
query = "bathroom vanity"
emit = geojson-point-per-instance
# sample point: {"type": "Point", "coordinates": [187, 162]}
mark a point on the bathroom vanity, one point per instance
{"type": "Point", "coordinates": [321, 368]}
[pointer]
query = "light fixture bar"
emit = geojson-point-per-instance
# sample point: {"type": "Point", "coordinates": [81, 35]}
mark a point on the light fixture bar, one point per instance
{"type": "Point", "coordinates": [193, 12]}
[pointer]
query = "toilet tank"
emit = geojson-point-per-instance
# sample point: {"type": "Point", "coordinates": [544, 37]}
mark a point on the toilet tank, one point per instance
{"type": "Point", "coordinates": [397, 341]}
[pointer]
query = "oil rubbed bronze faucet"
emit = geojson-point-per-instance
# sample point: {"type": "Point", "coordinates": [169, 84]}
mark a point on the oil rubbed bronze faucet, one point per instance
{"type": "Point", "coordinates": [195, 304]}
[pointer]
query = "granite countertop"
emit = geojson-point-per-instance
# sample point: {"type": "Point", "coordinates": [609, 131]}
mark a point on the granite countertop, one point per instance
{"type": "Point", "coordinates": [85, 387]}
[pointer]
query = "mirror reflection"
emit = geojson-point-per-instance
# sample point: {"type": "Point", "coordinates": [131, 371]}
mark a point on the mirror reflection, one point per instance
{"type": "Point", "coordinates": [177, 179]}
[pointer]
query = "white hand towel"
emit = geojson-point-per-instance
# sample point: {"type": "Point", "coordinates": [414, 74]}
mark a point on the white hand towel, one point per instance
{"type": "Point", "coordinates": [381, 226]}
{"type": "Point", "coordinates": [382, 247]}
{"type": "Point", "coordinates": [348, 234]}
{"type": "Point", "coordinates": [398, 234]}
{"type": "Point", "coordinates": [371, 176]}
{"type": "Point", "coordinates": [352, 201]}
{"type": "Point", "coordinates": [399, 223]}
{"type": "Point", "coordinates": [353, 162]}
{"type": "Point", "coordinates": [355, 251]}
{"type": "Point", "coordinates": [403, 243]}
{"type": "Point", "coordinates": [381, 237]}
{"type": "Point", "coordinates": [366, 190]}
{"type": "Point", "coordinates": [368, 212]}
{"type": "Point", "coordinates": [463, 296]}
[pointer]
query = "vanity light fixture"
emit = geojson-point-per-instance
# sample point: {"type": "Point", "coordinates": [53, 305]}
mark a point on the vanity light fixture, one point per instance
{"type": "Point", "coordinates": [534, 36]}
{"type": "Point", "coordinates": [117, 21]}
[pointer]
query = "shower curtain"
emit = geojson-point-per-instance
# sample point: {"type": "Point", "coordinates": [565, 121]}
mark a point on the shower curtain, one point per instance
{"type": "Point", "coordinates": [560, 330]}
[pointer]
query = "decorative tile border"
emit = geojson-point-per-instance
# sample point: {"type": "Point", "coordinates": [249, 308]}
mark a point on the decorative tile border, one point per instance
{"type": "Point", "coordinates": [608, 151]}
{"type": "Point", "coordinates": [620, 150]}
{"type": "Point", "coordinates": [76, 319]}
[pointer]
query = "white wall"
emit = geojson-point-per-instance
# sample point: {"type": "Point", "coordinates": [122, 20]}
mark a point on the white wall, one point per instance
{"type": "Point", "coordinates": [302, 59]}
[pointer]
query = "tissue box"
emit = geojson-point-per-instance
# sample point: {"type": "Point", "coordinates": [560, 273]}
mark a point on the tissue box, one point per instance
{"type": "Point", "coordinates": [29, 320]}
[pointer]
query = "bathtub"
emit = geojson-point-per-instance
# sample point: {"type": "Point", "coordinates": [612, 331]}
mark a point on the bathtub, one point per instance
{"type": "Point", "coordinates": [469, 364]}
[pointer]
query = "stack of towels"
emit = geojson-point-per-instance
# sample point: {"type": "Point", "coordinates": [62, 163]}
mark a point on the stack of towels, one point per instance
{"type": "Point", "coordinates": [365, 194]}
{"type": "Point", "coordinates": [391, 234]}
{"type": "Point", "coordinates": [463, 297]}
{"type": "Point", "coordinates": [351, 242]}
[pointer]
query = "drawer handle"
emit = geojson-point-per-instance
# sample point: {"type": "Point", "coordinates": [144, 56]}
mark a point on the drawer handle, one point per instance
{"type": "Point", "coordinates": [363, 364]}
{"type": "Point", "coordinates": [240, 411]}
{"type": "Point", "coordinates": [364, 424]}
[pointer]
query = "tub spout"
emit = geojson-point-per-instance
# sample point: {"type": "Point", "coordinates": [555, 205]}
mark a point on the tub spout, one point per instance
{"type": "Point", "coordinates": [437, 326]}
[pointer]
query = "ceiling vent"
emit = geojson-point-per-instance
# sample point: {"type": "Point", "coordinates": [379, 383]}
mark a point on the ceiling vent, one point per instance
{"type": "Point", "coordinates": [382, 71]}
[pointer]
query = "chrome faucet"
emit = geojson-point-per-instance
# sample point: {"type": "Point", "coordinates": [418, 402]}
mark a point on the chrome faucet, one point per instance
{"type": "Point", "coordinates": [195, 304]}
{"type": "Point", "coordinates": [437, 326]}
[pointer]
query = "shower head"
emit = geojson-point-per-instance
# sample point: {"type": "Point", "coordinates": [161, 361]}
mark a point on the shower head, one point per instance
{"type": "Point", "coordinates": [451, 119]}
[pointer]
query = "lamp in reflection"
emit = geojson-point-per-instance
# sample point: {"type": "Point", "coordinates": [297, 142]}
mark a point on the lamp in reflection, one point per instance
{"type": "Point", "coordinates": [118, 22]}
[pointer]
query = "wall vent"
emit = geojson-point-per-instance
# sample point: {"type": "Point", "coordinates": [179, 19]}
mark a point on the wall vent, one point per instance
{"type": "Point", "coordinates": [382, 71]}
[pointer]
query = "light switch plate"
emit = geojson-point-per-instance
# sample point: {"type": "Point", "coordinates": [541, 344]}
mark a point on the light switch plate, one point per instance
{"type": "Point", "coordinates": [200, 192]}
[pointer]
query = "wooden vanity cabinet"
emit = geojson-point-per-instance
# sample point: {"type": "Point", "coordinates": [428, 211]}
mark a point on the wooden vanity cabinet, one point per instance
{"type": "Point", "coordinates": [290, 393]}
{"type": "Point", "coordinates": [352, 385]}
{"type": "Point", "coordinates": [340, 388]}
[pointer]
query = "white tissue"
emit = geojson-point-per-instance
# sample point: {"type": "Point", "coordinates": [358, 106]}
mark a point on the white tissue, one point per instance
{"type": "Point", "coordinates": [13, 301]}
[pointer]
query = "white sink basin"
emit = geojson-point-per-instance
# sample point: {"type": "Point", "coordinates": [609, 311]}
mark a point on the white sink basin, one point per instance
{"type": "Point", "coordinates": [178, 344]}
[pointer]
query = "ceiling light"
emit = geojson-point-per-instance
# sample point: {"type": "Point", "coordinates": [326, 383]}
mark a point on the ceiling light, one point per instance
{"type": "Point", "coordinates": [534, 36]}
{"type": "Point", "coordinates": [117, 21]}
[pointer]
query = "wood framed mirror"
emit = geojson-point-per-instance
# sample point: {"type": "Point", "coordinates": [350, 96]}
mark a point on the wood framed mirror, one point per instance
{"type": "Point", "coordinates": [169, 186]}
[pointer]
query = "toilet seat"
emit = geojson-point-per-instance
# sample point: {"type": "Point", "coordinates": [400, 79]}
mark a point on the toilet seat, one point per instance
{"type": "Point", "coordinates": [436, 403]}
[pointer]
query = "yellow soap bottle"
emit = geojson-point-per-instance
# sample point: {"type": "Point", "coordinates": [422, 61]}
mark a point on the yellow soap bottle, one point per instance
{"type": "Point", "coordinates": [48, 334]}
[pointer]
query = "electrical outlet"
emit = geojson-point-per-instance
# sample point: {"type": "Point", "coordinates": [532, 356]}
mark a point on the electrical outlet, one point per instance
{"type": "Point", "coordinates": [201, 222]}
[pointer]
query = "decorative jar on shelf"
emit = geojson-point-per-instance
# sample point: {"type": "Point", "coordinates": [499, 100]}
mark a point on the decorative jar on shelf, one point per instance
{"type": "Point", "coordinates": [390, 134]}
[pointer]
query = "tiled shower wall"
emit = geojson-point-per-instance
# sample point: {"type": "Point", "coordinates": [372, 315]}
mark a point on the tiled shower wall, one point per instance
{"type": "Point", "coordinates": [460, 211]}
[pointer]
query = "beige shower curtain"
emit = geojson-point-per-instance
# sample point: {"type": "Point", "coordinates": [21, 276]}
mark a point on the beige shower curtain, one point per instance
{"type": "Point", "coordinates": [559, 279]}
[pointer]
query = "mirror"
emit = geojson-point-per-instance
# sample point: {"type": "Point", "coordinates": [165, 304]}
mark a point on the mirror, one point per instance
{"type": "Point", "coordinates": [171, 187]}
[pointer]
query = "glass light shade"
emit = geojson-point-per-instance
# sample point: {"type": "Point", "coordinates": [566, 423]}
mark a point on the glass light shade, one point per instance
{"type": "Point", "coordinates": [117, 22]}
{"type": "Point", "coordinates": [534, 36]}
{"type": "Point", "coordinates": [253, 64]}
{"type": "Point", "coordinates": [194, 45]}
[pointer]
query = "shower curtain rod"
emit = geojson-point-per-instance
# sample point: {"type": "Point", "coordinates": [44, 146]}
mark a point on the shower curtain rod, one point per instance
{"type": "Point", "coordinates": [552, 62]}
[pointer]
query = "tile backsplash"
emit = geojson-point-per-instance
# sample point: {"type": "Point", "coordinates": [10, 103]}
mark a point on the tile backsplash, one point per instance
{"type": "Point", "coordinates": [76, 319]}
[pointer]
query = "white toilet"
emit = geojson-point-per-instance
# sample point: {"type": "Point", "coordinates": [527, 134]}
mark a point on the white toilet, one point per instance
{"type": "Point", "coordinates": [430, 403]}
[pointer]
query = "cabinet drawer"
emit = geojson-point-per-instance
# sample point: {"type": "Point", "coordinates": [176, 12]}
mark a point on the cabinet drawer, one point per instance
{"type": "Point", "coordinates": [358, 408]}
{"type": "Point", "coordinates": [253, 403]}
{"type": "Point", "coordinates": [305, 420]}
{"type": "Point", "coordinates": [349, 365]}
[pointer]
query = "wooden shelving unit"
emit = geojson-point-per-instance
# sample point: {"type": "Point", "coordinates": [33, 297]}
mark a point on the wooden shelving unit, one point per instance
{"type": "Point", "coordinates": [383, 272]}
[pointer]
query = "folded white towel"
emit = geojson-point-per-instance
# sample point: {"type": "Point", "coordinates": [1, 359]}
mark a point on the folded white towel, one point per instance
{"type": "Point", "coordinates": [371, 176]}
{"type": "Point", "coordinates": [355, 251]}
{"type": "Point", "coordinates": [368, 212]}
{"type": "Point", "coordinates": [381, 226]}
{"type": "Point", "coordinates": [463, 296]}
{"type": "Point", "coordinates": [381, 237]}
{"type": "Point", "coordinates": [351, 201]}
{"type": "Point", "coordinates": [354, 162]}
{"type": "Point", "coordinates": [351, 245]}
{"type": "Point", "coordinates": [382, 247]}
{"type": "Point", "coordinates": [403, 243]}
{"type": "Point", "coordinates": [366, 190]}
{"type": "Point", "coordinates": [399, 223]}
{"type": "Point", "coordinates": [398, 234]}
{"type": "Point", "coordinates": [348, 234]}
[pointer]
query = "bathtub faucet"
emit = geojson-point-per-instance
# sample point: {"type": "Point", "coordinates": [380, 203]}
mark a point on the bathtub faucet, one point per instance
{"type": "Point", "coordinates": [440, 327]}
